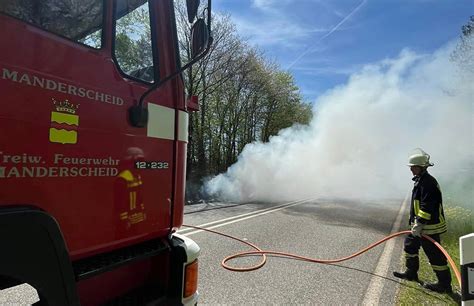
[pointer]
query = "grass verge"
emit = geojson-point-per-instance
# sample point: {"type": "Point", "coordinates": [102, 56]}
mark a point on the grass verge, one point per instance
{"type": "Point", "coordinates": [460, 222]}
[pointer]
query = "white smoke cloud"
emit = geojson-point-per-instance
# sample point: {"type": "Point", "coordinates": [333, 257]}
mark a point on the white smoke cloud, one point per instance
{"type": "Point", "coordinates": [358, 142]}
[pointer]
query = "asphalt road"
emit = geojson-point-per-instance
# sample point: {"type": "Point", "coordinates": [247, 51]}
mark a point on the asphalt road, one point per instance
{"type": "Point", "coordinates": [322, 229]}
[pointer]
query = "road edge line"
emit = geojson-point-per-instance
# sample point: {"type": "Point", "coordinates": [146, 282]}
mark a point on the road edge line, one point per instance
{"type": "Point", "coordinates": [375, 288]}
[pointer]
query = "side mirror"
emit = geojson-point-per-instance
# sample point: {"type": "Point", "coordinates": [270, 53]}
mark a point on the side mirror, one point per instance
{"type": "Point", "coordinates": [201, 41]}
{"type": "Point", "coordinates": [199, 37]}
{"type": "Point", "coordinates": [192, 8]}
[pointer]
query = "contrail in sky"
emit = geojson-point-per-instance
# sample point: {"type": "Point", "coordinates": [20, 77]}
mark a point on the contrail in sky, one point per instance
{"type": "Point", "coordinates": [328, 33]}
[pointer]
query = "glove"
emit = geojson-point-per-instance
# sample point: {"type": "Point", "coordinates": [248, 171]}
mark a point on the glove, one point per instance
{"type": "Point", "coordinates": [417, 228]}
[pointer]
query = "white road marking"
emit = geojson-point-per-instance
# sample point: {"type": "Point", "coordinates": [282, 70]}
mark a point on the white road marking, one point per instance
{"type": "Point", "coordinates": [244, 217]}
{"type": "Point", "coordinates": [374, 291]}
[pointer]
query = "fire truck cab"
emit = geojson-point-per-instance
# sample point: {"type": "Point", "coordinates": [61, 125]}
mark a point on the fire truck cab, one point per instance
{"type": "Point", "coordinates": [89, 199]}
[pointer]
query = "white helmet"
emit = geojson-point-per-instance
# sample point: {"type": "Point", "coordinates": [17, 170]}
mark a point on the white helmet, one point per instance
{"type": "Point", "coordinates": [419, 158]}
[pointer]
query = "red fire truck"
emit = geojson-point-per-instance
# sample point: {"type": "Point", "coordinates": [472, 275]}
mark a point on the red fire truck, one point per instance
{"type": "Point", "coordinates": [93, 135]}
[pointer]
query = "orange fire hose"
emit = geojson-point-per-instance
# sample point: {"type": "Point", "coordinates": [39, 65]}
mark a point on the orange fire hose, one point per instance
{"type": "Point", "coordinates": [323, 261]}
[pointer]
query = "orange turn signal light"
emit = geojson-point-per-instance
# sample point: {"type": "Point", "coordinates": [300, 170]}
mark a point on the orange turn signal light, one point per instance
{"type": "Point", "coordinates": [191, 278]}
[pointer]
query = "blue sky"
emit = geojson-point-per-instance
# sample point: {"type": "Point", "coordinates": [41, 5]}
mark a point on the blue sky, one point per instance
{"type": "Point", "coordinates": [322, 42]}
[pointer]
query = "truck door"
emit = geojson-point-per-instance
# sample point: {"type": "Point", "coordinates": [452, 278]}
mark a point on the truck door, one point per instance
{"type": "Point", "coordinates": [67, 83]}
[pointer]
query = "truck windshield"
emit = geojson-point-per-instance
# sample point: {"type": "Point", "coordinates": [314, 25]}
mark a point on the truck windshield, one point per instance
{"type": "Point", "coordinates": [77, 20]}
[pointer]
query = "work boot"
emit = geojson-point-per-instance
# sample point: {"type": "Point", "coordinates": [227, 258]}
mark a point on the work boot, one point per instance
{"type": "Point", "coordinates": [408, 275]}
{"type": "Point", "coordinates": [439, 287]}
{"type": "Point", "coordinates": [444, 282]}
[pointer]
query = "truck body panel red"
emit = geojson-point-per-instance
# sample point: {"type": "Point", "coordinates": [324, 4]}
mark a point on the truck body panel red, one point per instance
{"type": "Point", "coordinates": [68, 149]}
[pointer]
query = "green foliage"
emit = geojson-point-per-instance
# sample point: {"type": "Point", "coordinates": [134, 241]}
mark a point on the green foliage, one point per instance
{"type": "Point", "coordinates": [133, 40]}
{"type": "Point", "coordinates": [460, 222]}
{"type": "Point", "coordinates": [458, 190]}
{"type": "Point", "coordinates": [243, 97]}
{"type": "Point", "coordinates": [463, 55]}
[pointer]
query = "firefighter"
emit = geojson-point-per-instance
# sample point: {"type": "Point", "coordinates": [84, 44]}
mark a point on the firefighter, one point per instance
{"type": "Point", "coordinates": [426, 217]}
{"type": "Point", "coordinates": [129, 205]}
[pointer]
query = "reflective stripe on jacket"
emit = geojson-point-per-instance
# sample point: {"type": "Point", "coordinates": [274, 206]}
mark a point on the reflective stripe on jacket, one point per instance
{"type": "Point", "coordinates": [427, 204]}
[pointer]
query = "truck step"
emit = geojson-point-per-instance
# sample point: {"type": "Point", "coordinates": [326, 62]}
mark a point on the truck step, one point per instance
{"type": "Point", "coordinates": [89, 267]}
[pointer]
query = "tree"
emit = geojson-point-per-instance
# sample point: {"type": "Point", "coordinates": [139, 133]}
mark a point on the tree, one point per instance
{"type": "Point", "coordinates": [463, 55]}
{"type": "Point", "coordinates": [243, 98]}
{"type": "Point", "coordinates": [133, 48]}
